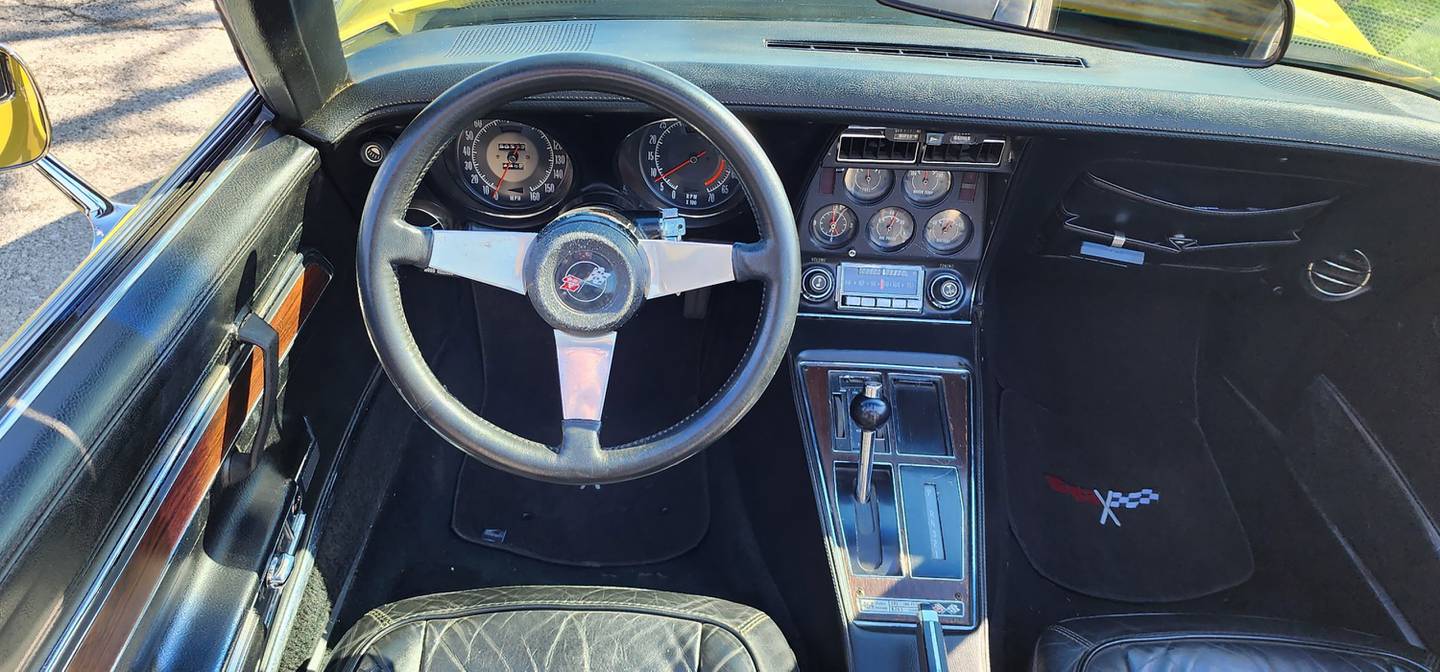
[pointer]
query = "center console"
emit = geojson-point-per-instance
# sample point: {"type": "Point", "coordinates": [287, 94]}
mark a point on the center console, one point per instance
{"type": "Point", "coordinates": [893, 225]}
{"type": "Point", "coordinates": [909, 545]}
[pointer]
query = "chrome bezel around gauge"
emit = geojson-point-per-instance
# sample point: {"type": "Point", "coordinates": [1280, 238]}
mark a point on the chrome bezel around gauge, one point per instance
{"type": "Point", "coordinates": [936, 244]}
{"type": "Point", "coordinates": [862, 193]}
{"type": "Point", "coordinates": [637, 160]}
{"type": "Point", "coordinates": [461, 178]}
{"type": "Point", "coordinates": [917, 195]}
{"type": "Point", "coordinates": [879, 239]}
{"type": "Point", "coordinates": [835, 212]}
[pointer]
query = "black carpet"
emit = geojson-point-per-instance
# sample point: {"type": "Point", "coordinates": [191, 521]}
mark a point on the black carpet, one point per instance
{"type": "Point", "coordinates": [1166, 530]}
{"type": "Point", "coordinates": [652, 519]}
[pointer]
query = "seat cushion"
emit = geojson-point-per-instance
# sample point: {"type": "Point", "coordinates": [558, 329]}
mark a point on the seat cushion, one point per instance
{"type": "Point", "coordinates": [562, 628]}
{"type": "Point", "coordinates": [1160, 642]}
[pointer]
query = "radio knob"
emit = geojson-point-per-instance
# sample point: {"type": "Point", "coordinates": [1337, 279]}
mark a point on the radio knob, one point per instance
{"type": "Point", "coordinates": [946, 291]}
{"type": "Point", "coordinates": [817, 284]}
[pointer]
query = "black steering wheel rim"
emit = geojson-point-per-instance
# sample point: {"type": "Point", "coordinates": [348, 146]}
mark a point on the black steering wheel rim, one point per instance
{"type": "Point", "coordinates": [386, 242]}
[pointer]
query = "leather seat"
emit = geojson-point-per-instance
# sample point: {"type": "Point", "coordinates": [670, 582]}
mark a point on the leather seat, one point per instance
{"type": "Point", "coordinates": [1160, 642]}
{"type": "Point", "coordinates": [563, 628]}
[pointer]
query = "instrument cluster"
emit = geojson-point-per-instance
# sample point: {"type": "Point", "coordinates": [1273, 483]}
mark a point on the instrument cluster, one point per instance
{"type": "Point", "coordinates": [893, 222]}
{"type": "Point", "coordinates": [892, 227]}
{"type": "Point", "coordinates": [515, 174]}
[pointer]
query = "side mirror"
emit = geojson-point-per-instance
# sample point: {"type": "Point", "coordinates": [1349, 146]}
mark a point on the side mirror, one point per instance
{"type": "Point", "coordinates": [25, 140]}
{"type": "Point", "coordinates": [1248, 33]}
{"type": "Point", "coordinates": [24, 126]}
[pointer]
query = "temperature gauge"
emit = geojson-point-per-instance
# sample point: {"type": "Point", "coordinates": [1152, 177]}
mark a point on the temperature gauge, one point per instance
{"type": "Point", "coordinates": [927, 187]}
{"type": "Point", "coordinates": [948, 231]}
{"type": "Point", "coordinates": [833, 226]}
{"type": "Point", "coordinates": [891, 228]}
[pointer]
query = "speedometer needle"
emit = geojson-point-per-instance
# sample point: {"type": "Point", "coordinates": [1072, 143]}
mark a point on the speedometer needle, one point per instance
{"type": "Point", "coordinates": [676, 169]}
{"type": "Point", "coordinates": [501, 181]}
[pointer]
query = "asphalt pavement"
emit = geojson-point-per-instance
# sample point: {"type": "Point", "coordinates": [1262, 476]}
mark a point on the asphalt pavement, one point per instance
{"type": "Point", "coordinates": [131, 86]}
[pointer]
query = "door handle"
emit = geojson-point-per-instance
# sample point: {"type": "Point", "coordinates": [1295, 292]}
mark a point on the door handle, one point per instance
{"type": "Point", "coordinates": [254, 330]}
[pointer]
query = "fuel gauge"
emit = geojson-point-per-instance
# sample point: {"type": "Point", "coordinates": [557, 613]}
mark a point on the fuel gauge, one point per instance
{"type": "Point", "coordinates": [868, 185]}
{"type": "Point", "coordinates": [833, 226]}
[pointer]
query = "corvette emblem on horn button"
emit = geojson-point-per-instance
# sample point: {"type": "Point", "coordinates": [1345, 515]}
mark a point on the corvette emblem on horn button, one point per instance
{"type": "Point", "coordinates": [585, 281]}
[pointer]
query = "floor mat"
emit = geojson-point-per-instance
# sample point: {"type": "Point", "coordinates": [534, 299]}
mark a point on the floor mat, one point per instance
{"type": "Point", "coordinates": [1135, 513]}
{"type": "Point", "coordinates": [642, 521]}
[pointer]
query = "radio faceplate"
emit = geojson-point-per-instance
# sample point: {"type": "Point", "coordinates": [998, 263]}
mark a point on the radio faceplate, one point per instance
{"type": "Point", "coordinates": [887, 288]}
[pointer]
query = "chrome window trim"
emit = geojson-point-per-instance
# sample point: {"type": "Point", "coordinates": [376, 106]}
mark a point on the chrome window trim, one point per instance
{"type": "Point", "coordinates": [20, 402]}
{"type": "Point", "coordinates": [110, 252]}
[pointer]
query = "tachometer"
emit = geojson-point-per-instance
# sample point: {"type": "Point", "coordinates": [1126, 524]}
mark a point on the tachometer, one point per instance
{"type": "Point", "coordinates": [683, 169]}
{"type": "Point", "coordinates": [511, 166]}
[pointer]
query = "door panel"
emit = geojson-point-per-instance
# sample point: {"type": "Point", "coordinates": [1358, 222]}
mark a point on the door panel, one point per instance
{"type": "Point", "coordinates": [83, 433]}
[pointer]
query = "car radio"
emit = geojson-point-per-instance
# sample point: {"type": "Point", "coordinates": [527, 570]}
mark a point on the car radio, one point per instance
{"type": "Point", "coordinates": [880, 287]}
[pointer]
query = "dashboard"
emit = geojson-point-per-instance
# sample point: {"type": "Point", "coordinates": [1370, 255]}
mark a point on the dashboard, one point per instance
{"type": "Point", "coordinates": [892, 221]}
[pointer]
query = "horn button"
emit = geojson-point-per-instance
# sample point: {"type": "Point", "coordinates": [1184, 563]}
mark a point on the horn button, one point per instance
{"type": "Point", "coordinates": [585, 273]}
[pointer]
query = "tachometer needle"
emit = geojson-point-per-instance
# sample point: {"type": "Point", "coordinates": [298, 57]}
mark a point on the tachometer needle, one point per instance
{"type": "Point", "coordinates": [676, 169]}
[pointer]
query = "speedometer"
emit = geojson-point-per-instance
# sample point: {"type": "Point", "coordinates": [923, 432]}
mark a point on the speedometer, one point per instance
{"type": "Point", "coordinates": [683, 169]}
{"type": "Point", "coordinates": [511, 166]}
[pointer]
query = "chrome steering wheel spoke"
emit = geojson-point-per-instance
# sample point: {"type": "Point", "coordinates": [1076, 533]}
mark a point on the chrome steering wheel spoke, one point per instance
{"type": "Point", "coordinates": [584, 363]}
{"type": "Point", "coordinates": [679, 266]}
{"type": "Point", "coordinates": [495, 258]}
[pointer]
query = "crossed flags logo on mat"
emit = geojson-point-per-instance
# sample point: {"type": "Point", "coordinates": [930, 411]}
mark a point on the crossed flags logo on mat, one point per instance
{"type": "Point", "coordinates": [1108, 502]}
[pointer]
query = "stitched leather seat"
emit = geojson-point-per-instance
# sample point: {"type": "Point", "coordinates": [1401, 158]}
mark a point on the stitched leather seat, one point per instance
{"type": "Point", "coordinates": [1161, 642]}
{"type": "Point", "coordinates": [562, 628]}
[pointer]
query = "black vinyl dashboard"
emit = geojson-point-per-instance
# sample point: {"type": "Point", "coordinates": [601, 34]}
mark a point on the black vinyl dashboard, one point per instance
{"type": "Point", "coordinates": [1222, 168]}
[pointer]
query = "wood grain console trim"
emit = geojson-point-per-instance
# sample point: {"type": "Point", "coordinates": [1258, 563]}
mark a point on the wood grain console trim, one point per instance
{"type": "Point", "coordinates": [955, 394]}
{"type": "Point", "coordinates": [124, 606]}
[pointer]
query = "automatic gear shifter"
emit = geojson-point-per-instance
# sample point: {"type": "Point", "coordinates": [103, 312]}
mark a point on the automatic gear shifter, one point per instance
{"type": "Point", "coordinates": [870, 411]}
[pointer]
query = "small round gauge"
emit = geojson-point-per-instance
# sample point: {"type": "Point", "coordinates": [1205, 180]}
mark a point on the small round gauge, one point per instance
{"type": "Point", "coordinates": [682, 168]}
{"type": "Point", "coordinates": [512, 166]}
{"type": "Point", "coordinates": [948, 231]}
{"type": "Point", "coordinates": [833, 226]}
{"type": "Point", "coordinates": [868, 185]}
{"type": "Point", "coordinates": [891, 228]}
{"type": "Point", "coordinates": [927, 187]}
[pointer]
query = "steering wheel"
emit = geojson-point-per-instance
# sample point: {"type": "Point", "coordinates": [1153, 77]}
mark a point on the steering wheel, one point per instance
{"type": "Point", "coordinates": [622, 269]}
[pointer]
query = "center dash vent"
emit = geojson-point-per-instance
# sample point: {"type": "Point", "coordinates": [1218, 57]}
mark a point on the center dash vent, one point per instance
{"type": "Point", "coordinates": [866, 145]}
{"type": "Point", "coordinates": [929, 51]}
{"type": "Point", "coordinates": [1340, 277]}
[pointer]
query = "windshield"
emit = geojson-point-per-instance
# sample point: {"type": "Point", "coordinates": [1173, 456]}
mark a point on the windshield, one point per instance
{"type": "Point", "coordinates": [1392, 41]}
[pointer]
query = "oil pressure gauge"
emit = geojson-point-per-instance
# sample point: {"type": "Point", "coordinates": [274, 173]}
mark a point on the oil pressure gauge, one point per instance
{"type": "Point", "coordinates": [891, 228]}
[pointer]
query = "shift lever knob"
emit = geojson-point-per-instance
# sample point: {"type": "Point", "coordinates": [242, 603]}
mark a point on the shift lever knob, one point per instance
{"type": "Point", "coordinates": [869, 411]}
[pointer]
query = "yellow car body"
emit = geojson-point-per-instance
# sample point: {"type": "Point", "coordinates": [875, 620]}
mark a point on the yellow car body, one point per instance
{"type": "Point", "coordinates": [363, 23]}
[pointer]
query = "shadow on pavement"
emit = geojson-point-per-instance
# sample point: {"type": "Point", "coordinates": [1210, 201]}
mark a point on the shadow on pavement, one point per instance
{"type": "Point", "coordinates": [36, 263]}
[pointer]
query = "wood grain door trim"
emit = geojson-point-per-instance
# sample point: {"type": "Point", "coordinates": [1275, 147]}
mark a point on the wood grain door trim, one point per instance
{"type": "Point", "coordinates": [123, 607]}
